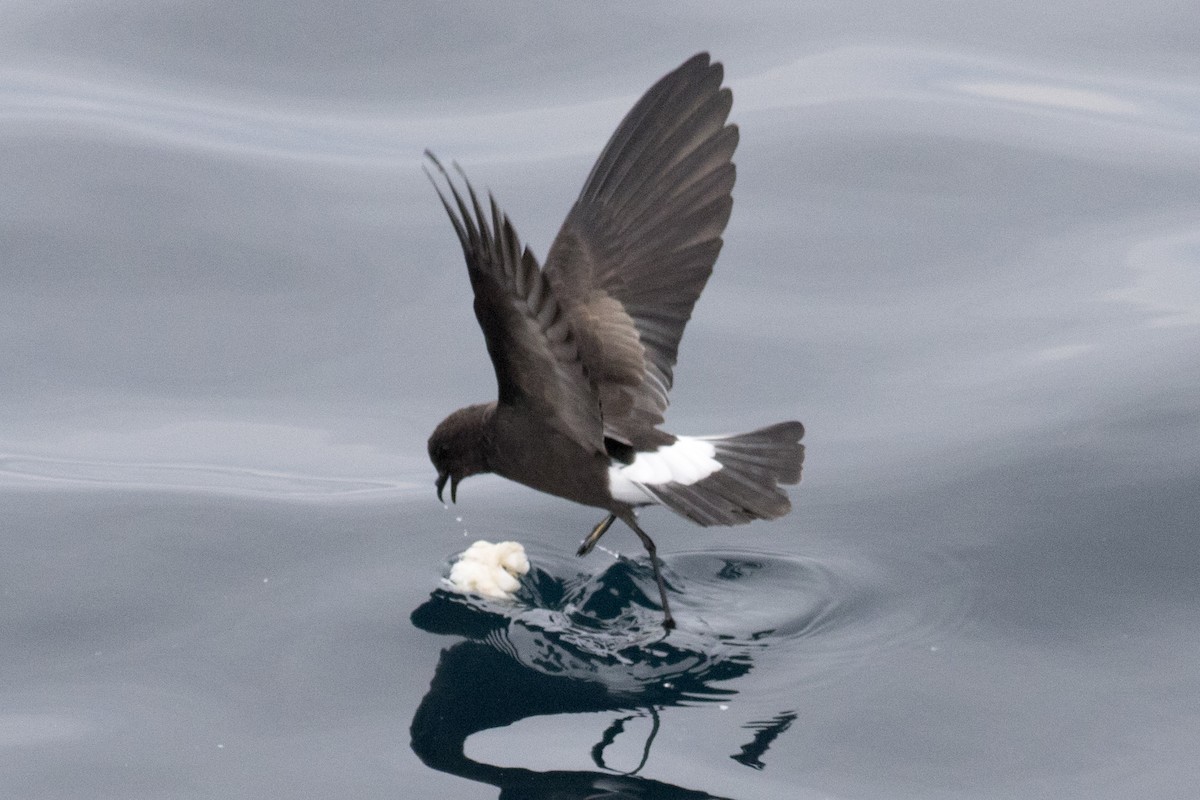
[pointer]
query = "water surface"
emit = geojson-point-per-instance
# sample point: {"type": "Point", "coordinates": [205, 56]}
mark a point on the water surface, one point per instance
{"type": "Point", "coordinates": [964, 252]}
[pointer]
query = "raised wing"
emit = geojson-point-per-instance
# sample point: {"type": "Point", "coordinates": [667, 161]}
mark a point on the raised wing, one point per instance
{"type": "Point", "coordinates": [639, 244]}
{"type": "Point", "coordinates": [528, 336]}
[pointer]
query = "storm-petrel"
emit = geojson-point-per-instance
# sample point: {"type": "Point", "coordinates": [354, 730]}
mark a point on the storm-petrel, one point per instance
{"type": "Point", "coordinates": [584, 347]}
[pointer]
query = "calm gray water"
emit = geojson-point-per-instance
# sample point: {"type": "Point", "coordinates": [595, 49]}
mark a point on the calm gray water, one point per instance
{"type": "Point", "coordinates": [965, 251]}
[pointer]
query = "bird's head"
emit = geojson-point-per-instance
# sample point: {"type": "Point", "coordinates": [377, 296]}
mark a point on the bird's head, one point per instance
{"type": "Point", "coordinates": [459, 446]}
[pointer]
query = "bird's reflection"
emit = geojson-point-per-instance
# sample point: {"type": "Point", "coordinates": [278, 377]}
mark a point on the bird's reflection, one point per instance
{"type": "Point", "coordinates": [592, 645]}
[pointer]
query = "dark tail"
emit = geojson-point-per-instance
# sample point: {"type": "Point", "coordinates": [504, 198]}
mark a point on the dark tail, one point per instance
{"type": "Point", "coordinates": [746, 488]}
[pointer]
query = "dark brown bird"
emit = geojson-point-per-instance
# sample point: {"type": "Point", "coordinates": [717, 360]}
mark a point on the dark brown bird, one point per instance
{"type": "Point", "coordinates": [584, 347]}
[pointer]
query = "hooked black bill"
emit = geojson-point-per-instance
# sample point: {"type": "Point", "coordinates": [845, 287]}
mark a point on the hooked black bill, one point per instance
{"type": "Point", "coordinates": [440, 483]}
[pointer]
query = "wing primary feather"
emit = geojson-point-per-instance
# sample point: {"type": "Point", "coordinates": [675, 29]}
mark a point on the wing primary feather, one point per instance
{"type": "Point", "coordinates": [629, 127]}
{"type": "Point", "coordinates": [535, 291]}
{"type": "Point", "coordinates": [485, 235]}
{"type": "Point", "coordinates": [454, 220]}
{"type": "Point", "coordinates": [677, 139]}
{"type": "Point", "coordinates": [706, 168]}
{"type": "Point", "coordinates": [498, 236]}
{"type": "Point", "coordinates": [614, 161]}
{"type": "Point", "coordinates": [474, 237]}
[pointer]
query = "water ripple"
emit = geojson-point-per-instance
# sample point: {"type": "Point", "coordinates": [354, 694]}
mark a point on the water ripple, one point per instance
{"type": "Point", "coordinates": [733, 609]}
{"type": "Point", "coordinates": [54, 473]}
{"type": "Point", "coordinates": [265, 129]}
{"type": "Point", "coordinates": [991, 97]}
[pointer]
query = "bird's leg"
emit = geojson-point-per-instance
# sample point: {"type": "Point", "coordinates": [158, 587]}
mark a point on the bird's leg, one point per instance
{"type": "Point", "coordinates": [648, 543]}
{"type": "Point", "coordinates": [590, 541]}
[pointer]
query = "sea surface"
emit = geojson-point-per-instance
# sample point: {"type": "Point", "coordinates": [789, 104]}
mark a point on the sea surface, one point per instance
{"type": "Point", "coordinates": [964, 251]}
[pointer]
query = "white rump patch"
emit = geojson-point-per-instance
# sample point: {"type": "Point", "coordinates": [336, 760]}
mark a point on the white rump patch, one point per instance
{"type": "Point", "coordinates": [685, 461]}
